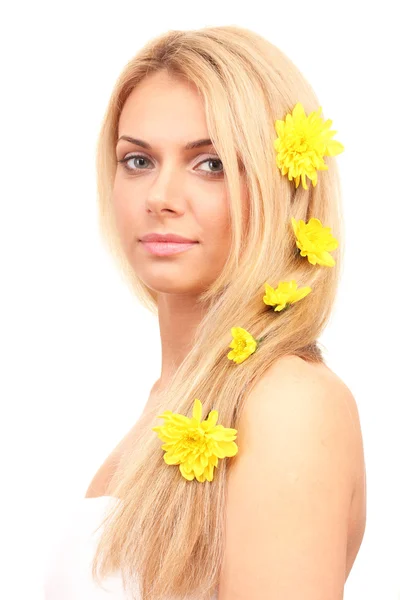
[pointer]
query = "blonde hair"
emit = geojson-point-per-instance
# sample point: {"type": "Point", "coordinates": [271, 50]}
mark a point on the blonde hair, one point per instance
{"type": "Point", "coordinates": [168, 532]}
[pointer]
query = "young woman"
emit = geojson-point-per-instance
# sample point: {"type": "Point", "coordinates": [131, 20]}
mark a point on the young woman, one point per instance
{"type": "Point", "coordinates": [206, 220]}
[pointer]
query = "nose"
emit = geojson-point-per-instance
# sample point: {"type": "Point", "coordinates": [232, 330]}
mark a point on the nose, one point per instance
{"type": "Point", "coordinates": [166, 193]}
{"type": "Point", "coordinates": [159, 205]}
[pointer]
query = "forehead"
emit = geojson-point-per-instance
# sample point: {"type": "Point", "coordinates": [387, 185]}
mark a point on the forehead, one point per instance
{"type": "Point", "coordinates": [163, 106]}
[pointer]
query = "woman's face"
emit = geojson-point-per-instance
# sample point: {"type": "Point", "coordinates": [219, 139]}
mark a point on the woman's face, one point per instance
{"type": "Point", "coordinates": [166, 188]}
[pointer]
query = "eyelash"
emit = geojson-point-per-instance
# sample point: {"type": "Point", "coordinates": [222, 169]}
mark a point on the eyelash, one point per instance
{"type": "Point", "coordinates": [124, 161]}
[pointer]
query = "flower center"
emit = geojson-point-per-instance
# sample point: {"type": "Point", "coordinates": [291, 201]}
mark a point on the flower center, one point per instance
{"type": "Point", "coordinates": [194, 437]}
{"type": "Point", "coordinates": [301, 144]}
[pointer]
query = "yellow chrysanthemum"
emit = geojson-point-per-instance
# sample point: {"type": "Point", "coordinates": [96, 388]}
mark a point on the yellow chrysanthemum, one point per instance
{"type": "Point", "coordinates": [285, 294]}
{"type": "Point", "coordinates": [315, 241]}
{"type": "Point", "coordinates": [243, 345]}
{"type": "Point", "coordinates": [194, 444]}
{"type": "Point", "coordinates": [302, 143]}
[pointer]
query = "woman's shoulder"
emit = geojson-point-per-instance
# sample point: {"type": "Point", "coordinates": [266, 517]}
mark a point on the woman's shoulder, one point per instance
{"type": "Point", "coordinates": [294, 479]}
{"type": "Point", "coordinates": [298, 392]}
{"type": "Point", "coordinates": [297, 408]}
{"type": "Point", "coordinates": [291, 373]}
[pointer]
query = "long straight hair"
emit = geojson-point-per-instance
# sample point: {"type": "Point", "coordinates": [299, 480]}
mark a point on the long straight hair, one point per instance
{"type": "Point", "coordinates": [167, 533]}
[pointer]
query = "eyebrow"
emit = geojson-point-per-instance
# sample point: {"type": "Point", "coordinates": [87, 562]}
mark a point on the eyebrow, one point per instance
{"type": "Point", "coordinates": [188, 146]}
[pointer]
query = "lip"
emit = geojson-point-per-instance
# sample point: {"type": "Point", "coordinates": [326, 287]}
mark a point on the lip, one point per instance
{"type": "Point", "coordinates": [167, 248]}
{"type": "Point", "coordinates": [166, 237]}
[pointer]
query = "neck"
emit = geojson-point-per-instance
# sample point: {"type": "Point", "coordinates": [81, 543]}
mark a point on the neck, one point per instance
{"type": "Point", "coordinates": [179, 317]}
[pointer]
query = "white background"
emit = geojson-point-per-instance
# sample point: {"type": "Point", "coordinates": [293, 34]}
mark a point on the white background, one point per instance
{"type": "Point", "coordinates": [79, 355]}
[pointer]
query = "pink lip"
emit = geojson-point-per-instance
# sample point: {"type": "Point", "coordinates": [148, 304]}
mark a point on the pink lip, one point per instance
{"type": "Point", "coordinates": [166, 237]}
{"type": "Point", "coordinates": [166, 248]}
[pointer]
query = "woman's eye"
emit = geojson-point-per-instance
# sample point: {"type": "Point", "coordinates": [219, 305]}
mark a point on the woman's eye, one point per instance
{"type": "Point", "coordinates": [212, 160]}
{"type": "Point", "coordinates": [132, 157]}
{"type": "Point", "coordinates": [139, 157]}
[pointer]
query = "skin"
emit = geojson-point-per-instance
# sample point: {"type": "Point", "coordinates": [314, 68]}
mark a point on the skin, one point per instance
{"type": "Point", "coordinates": [169, 191]}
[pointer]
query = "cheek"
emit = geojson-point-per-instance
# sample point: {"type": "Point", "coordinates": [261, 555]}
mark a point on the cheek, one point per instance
{"type": "Point", "coordinates": [216, 233]}
{"type": "Point", "coordinates": [124, 214]}
{"type": "Point", "coordinates": [214, 218]}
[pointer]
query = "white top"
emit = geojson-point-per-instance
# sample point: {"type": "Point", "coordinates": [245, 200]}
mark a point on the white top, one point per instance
{"type": "Point", "coordinates": [68, 574]}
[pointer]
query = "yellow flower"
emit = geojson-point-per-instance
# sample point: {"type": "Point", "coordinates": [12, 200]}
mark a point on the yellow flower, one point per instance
{"type": "Point", "coordinates": [243, 345]}
{"type": "Point", "coordinates": [285, 294]}
{"type": "Point", "coordinates": [194, 444]}
{"type": "Point", "coordinates": [315, 241]}
{"type": "Point", "coordinates": [301, 144]}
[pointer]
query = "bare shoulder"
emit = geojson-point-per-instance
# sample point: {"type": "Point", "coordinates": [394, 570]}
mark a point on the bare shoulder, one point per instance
{"type": "Point", "coordinates": [290, 487]}
{"type": "Point", "coordinates": [102, 482]}
{"type": "Point", "coordinates": [294, 390]}
{"type": "Point", "coordinates": [99, 485]}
